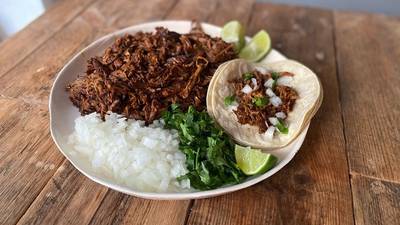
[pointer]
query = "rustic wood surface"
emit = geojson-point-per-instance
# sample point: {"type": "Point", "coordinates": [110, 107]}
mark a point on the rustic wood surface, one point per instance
{"type": "Point", "coordinates": [347, 171]}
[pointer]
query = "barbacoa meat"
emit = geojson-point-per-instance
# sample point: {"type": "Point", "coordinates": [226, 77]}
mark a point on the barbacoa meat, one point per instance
{"type": "Point", "coordinates": [249, 113]}
{"type": "Point", "coordinates": [140, 75]}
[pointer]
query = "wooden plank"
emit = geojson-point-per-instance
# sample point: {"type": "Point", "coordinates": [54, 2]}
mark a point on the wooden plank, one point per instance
{"type": "Point", "coordinates": [70, 198]}
{"type": "Point", "coordinates": [14, 49]}
{"type": "Point", "coordinates": [368, 53]}
{"type": "Point", "coordinates": [375, 201]}
{"type": "Point", "coordinates": [28, 157]}
{"type": "Point", "coordinates": [33, 77]}
{"type": "Point", "coordinates": [118, 208]}
{"type": "Point", "coordinates": [314, 188]}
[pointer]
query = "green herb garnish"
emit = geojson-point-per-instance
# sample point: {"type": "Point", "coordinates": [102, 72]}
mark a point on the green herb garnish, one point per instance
{"type": "Point", "coordinates": [275, 75]}
{"type": "Point", "coordinates": [228, 100]}
{"type": "Point", "coordinates": [282, 127]}
{"type": "Point", "coordinates": [210, 157]}
{"type": "Point", "coordinates": [260, 101]}
{"type": "Point", "coordinates": [247, 76]}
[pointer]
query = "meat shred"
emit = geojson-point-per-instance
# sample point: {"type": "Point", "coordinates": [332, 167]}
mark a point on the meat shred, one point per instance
{"type": "Point", "coordinates": [248, 113]}
{"type": "Point", "coordinates": [140, 75]}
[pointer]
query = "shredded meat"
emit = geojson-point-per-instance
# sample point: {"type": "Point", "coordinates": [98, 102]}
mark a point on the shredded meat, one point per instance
{"type": "Point", "coordinates": [140, 75]}
{"type": "Point", "coordinates": [249, 113]}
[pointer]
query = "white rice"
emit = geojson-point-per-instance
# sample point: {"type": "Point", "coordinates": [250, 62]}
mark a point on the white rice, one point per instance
{"type": "Point", "coordinates": [145, 158]}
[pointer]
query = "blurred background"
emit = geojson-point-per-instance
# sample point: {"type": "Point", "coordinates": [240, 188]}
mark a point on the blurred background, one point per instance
{"type": "Point", "coordinates": [16, 14]}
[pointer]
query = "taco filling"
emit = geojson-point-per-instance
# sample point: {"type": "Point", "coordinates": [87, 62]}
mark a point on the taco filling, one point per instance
{"type": "Point", "coordinates": [262, 100]}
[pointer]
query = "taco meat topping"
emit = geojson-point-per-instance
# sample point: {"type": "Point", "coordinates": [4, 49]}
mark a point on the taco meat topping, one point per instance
{"type": "Point", "coordinates": [141, 75]}
{"type": "Point", "coordinates": [262, 100]}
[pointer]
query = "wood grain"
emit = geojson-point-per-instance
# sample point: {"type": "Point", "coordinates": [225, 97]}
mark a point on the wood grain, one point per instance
{"type": "Point", "coordinates": [28, 158]}
{"type": "Point", "coordinates": [375, 202]}
{"type": "Point", "coordinates": [33, 77]}
{"type": "Point", "coordinates": [314, 188]}
{"type": "Point", "coordinates": [368, 61]}
{"type": "Point", "coordinates": [68, 198]}
{"type": "Point", "coordinates": [24, 175]}
{"type": "Point", "coordinates": [13, 50]}
{"type": "Point", "coordinates": [38, 186]}
{"type": "Point", "coordinates": [118, 208]}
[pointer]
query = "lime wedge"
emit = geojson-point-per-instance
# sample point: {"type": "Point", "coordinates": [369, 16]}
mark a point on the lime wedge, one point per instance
{"type": "Point", "coordinates": [233, 32]}
{"type": "Point", "coordinates": [253, 161]}
{"type": "Point", "coordinates": [256, 49]}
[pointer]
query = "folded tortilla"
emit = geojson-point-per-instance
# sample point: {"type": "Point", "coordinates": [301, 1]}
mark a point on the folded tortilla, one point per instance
{"type": "Point", "coordinates": [305, 82]}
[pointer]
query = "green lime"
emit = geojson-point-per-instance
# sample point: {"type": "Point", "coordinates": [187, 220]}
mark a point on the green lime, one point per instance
{"type": "Point", "coordinates": [253, 161]}
{"type": "Point", "coordinates": [233, 32]}
{"type": "Point", "coordinates": [256, 49]}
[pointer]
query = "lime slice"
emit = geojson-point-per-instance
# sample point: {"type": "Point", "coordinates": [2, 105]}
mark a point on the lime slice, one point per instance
{"type": "Point", "coordinates": [253, 161]}
{"type": "Point", "coordinates": [256, 49]}
{"type": "Point", "coordinates": [233, 32]}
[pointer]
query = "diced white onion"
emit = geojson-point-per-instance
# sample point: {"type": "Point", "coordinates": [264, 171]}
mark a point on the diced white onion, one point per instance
{"type": "Point", "coordinates": [269, 134]}
{"type": "Point", "coordinates": [269, 83]}
{"type": "Point", "coordinates": [270, 92]}
{"type": "Point", "coordinates": [284, 80]}
{"type": "Point", "coordinates": [273, 120]}
{"type": "Point", "coordinates": [280, 115]}
{"type": "Point", "coordinates": [275, 101]}
{"type": "Point", "coordinates": [247, 89]}
{"type": "Point", "coordinates": [262, 69]}
{"type": "Point", "coordinates": [233, 106]}
{"type": "Point", "coordinates": [254, 81]}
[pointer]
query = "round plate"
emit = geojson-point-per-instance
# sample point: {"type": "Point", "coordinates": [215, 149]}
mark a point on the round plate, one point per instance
{"type": "Point", "coordinates": [63, 115]}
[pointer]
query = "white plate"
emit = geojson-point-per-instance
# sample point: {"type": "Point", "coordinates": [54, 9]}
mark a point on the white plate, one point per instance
{"type": "Point", "coordinates": [63, 115]}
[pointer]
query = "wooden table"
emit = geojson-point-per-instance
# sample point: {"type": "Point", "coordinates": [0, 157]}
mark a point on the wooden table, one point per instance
{"type": "Point", "coordinates": [347, 172]}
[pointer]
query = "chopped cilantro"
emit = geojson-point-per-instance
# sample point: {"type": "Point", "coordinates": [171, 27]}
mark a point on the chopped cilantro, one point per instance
{"type": "Point", "coordinates": [247, 76]}
{"type": "Point", "coordinates": [260, 101]}
{"type": "Point", "coordinates": [210, 156]}
{"type": "Point", "coordinates": [282, 127]}
{"type": "Point", "coordinates": [228, 100]}
{"type": "Point", "coordinates": [275, 75]}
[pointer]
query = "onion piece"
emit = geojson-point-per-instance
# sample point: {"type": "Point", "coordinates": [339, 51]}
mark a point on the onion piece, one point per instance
{"type": "Point", "coordinates": [280, 115]}
{"type": "Point", "coordinates": [269, 134]}
{"type": "Point", "coordinates": [254, 81]}
{"type": "Point", "coordinates": [284, 80]}
{"type": "Point", "coordinates": [233, 107]}
{"type": "Point", "coordinates": [269, 83]}
{"type": "Point", "coordinates": [275, 101]}
{"type": "Point", "coordinates": [247, 89]}
{"type": "Point", "coordinates": [273, 120]}
{"type": "Point", "coordinates": [270, 92]}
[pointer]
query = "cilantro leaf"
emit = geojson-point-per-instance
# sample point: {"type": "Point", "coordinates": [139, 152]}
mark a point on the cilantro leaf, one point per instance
{"type": "Point", "coordinates": [228, 100]}
{"type": "Point", "coordinates": [247, 76]}
{"type": "Point", "coordinates": [282, 127]}
{"type": "Point", "coordinates": [260, 101]}
{"type": "Point", "coordinates": [275, 75]}
{"type": "Point", "coordinates": [210, 157]}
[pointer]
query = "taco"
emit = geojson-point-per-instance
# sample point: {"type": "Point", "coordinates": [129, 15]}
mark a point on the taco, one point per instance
{"type": "Point", "coordinates": [264, 106]}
